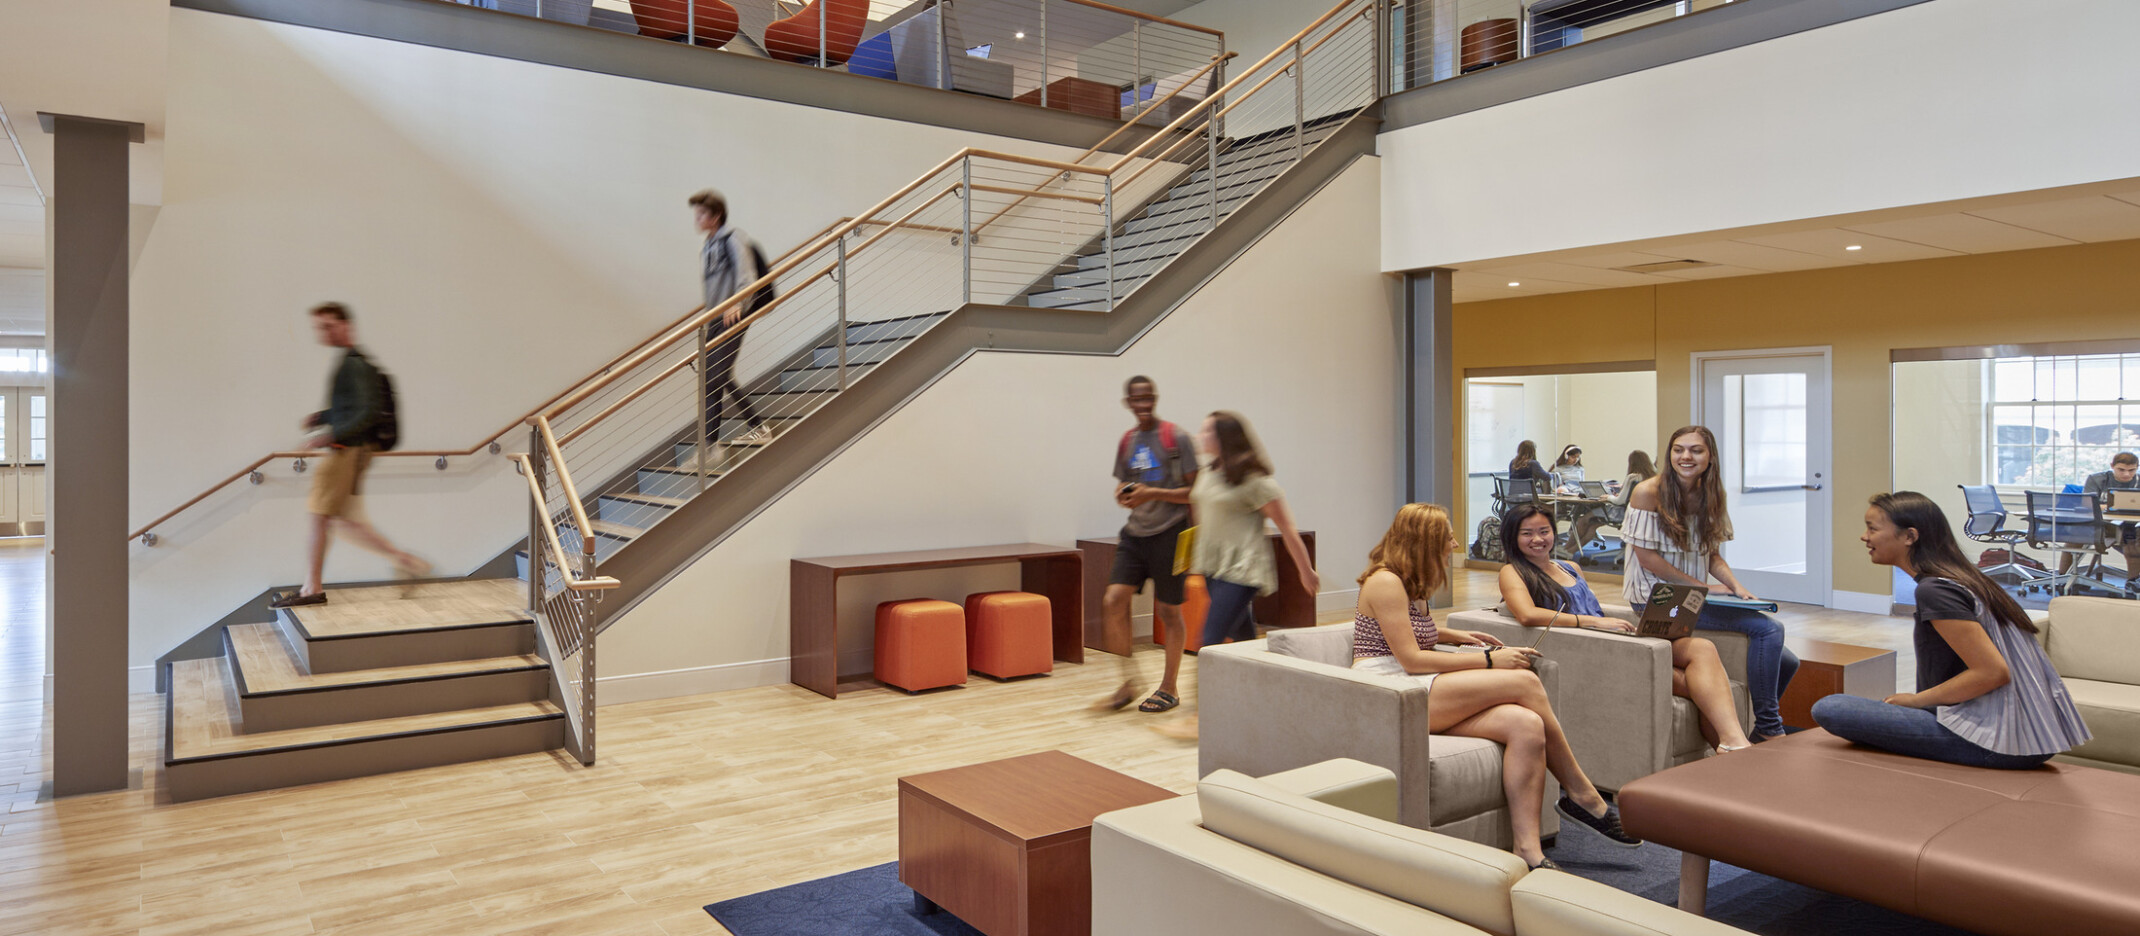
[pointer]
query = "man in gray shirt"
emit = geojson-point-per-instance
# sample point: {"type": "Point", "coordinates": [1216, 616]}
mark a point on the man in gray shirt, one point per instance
{"type": "Point", "coordinates": [1155, 464]}
{"type": "Point", "coordinates": [2124, 475]}
{"type": "Point", "coordinates": [727, 263]}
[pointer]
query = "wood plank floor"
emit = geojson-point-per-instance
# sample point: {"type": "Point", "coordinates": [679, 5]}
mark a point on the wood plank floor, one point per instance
{"type": "Point", "coordinates": [695, 800]}
{"type": "Point", "coordinates": [382, 608]}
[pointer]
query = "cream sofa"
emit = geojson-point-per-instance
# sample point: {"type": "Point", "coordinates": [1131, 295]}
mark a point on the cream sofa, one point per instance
{"type": "Point", "coordinates": [2095, 644]}
{"type": "Point", "coordinates": [1293, 699]}
{"type": "Point", "coordinates": [1316, 851]}
{"type": "Point", "coordinates": [1615, 699]}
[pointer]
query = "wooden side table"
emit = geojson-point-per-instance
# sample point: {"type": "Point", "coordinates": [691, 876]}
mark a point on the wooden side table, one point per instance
{"type": "Point", "coordinates": [1289, 606]}
{"type": "Point", "coordinates": [1825, 669]}
{"type": "Point", "coordinates": [1007, 845]}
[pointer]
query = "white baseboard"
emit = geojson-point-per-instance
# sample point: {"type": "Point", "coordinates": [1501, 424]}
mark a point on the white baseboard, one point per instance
{"type": "Point", "coordinates": [1862, 602]}
{"type": "Point", "coordinates": [669, 684]}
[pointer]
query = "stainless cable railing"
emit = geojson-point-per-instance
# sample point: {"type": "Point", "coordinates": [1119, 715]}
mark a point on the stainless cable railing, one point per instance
{"type": "Point", "coordinates": [1084, 56]}
{"type": "Point", "coordinates": [1435, 40]}
{"type": "Point", "coordinates": [982, 228]}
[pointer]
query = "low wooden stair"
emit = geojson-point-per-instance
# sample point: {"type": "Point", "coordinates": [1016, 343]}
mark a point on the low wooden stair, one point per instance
{"type": "Point", "coordinates": [371, 682]}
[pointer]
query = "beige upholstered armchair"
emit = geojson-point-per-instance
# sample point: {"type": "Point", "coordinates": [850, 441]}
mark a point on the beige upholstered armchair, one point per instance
{"type": "Point", "coordinates": [1616, 700]}
{"type": "Point", "coordinates": [1293, 699]}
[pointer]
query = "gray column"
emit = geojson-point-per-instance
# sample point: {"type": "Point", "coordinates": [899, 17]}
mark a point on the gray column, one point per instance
{"type": "Point", "coordinates": [1429, 393]}
{"type": "Point", "coordinates": [87, 462]}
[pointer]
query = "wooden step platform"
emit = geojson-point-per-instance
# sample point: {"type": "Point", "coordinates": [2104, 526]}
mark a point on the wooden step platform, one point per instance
{"type": "Point", "coordinates": [275, 693]}
{"type": "Point", "coordinates": [208, 751]}
{"type": "Point", "coordinates": [376, 680]}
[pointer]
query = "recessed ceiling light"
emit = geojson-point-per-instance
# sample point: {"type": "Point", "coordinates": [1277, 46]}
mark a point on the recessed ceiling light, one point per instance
{"type": "Point", "coordinates": [1855, 247]}
{"type": "Point", "coordinates": [1515, 284]}
{"type": "Point", "coordinates": [1019, 35]}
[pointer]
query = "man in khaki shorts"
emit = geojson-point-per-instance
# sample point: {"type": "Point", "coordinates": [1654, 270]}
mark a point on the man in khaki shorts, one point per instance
{"type": "Point", "coordinates": [347, 429]}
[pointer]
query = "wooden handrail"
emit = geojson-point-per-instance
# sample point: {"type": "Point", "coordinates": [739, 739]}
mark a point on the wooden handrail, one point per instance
{"type": "Point", "coordinates": [1229, 86]}
{"type": "Point", "coordinates": [564, 480]}
{"type": "Point", "coordinates": [1214, 63]}
{"type": "Point", "coordinates": [549, 537]}
{"type": "Point", "coordinates": [1111, 8]}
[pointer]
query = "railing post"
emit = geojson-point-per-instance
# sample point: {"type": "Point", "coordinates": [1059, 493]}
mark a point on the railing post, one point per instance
{"type": "Point", "coordinates": [1107, 223]}
{"type": "Point", "coordinates": [1300, 105]}
{"type": "Point", "coordinates": [842, 280]}
{"type": "Point", "coordinates": [943, 50]}
{"type": "Point", "coordinates": [1211, 146]}
{"type": "Point", "coordinates": [1043, 53]}
{"type": "Point", "coordinates": [1136, 69]}
{"type": "Point", "coordinates": [538, 514]}
{"type": "Point", "coordinates": [1382, 49]}
{"type": "Point", "coordinates": [690, 22]}
{"type": "Point", "coordinates": [703, 365]}
{"type": "Point", "coordinates": [820, 34]}
{"type": "Point", "coordinates": [966, 225]}
{"type": "Point", "coordinates": [587, 716]}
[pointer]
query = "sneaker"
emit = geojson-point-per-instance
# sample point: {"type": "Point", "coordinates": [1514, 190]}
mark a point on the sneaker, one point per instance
{"type": "Point", "coordinates": [759, 435]}
{"type": "Point", "coordinates": [1607, 825]}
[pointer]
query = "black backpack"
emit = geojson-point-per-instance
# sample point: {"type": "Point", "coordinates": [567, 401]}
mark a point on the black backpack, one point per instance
{"type": "Point", "coordinates": [764, 296]}
{"type": "Point", "coordinates": [386, 426]}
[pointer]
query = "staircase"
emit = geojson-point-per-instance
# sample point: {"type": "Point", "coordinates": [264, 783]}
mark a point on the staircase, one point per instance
{"type": "Point", "coordinates": [1149, 240]}
{"type": "Point", "coordinates": [370, 682]}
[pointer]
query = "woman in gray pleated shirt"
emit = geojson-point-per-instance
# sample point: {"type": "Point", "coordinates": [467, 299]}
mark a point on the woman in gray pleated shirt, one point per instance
{"type": "Point", "coordinates": [1987, 695]}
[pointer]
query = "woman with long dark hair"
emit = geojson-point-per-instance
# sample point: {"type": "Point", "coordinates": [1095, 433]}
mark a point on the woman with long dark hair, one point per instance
{"type": "Point", "coordinates": [1525, 465]}
{"type": "Point", "coordinates": [1987, 695]}
{"type": "Point", "coordinates": [1492, 695]}
{"type": "Point", "coordinates": [1540, 591]}
{"type": "Point", "coordinates": [1675, 530]}
{"type": "Point", "coordinates": [1639, 469]}
{"type": "Point", "coordinates": [1232, 497]}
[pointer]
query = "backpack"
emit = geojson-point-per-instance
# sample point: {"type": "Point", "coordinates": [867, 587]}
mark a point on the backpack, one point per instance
{"type": "Point", "coordinates": [764, 296]}
{"type": "Point", "coordinates": [1168, 440]}
{"type": "Point", "coordinates": [385, 429]}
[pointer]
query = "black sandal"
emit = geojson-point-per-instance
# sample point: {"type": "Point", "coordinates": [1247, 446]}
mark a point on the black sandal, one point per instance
{"type": "Point", "coordinates": [295, 600]}
{"type": "Point", "coordinates": [1160, 701]}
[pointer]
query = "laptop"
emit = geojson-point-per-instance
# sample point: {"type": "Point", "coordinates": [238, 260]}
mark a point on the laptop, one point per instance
{"type": "Point", "coordinates": [2124, 502]}
{"type": "Point", "coordinates": [1671, 610]}
{"type": "Point", "coordinates": [1595, 489]}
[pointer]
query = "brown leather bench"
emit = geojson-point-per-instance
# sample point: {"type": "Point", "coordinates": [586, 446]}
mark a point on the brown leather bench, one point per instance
{"type": "Point", "coordinates": [1993, 851]}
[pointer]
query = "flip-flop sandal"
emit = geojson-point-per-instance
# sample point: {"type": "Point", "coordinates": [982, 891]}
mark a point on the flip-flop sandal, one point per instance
{"type": "Point", "coordinates": [1160, 701]}
{"type": "Point", "coordinates": [295, 600]}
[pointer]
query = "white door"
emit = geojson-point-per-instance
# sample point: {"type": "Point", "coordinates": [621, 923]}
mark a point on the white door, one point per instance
{"type": "Point", "coordinates": [1770, 413]}
{"type": "Point", "coordinates": [22, 461]}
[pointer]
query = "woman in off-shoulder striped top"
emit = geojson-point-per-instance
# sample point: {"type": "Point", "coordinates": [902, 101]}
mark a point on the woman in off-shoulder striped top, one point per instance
{"type": "Point", "coordinates": [1675, 530]}
{"type": "Point", "coordinates": [1492, 695]}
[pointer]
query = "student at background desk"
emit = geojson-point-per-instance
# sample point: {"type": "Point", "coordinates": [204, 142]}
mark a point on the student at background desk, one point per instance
{"type": "Point", "coordinates": [2124, 475]}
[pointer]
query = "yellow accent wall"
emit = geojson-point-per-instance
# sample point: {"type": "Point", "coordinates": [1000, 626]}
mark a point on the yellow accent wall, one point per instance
{"type": "Point", "coordinates": [2077, 293]}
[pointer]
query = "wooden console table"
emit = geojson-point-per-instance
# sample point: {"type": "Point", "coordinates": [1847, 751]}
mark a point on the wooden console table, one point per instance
{"type": "Point", "coordinates": [813, 599]}
{"type": "Point", "coordinates": [1289, 606]}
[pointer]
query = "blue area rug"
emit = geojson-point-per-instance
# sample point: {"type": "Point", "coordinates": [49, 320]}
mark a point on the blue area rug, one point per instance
{"type": "Point", "coordinates": [872, 902]}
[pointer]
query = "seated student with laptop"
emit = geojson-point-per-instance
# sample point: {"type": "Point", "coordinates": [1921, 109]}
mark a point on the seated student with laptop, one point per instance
{"type": "Point", "coordinates": [1540, 591]}
{"type": "Point", "coordinates": [2119, 489]}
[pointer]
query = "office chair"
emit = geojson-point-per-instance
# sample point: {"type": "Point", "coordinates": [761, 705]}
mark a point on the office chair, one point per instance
{"type": "Point", "coordinates": [1987, 525]}
{"type": "Point", "coordinates": [2072, 524]}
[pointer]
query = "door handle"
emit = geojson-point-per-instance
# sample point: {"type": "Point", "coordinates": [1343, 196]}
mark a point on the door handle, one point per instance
{"type": "Point", "coordinates": [1809, 487]}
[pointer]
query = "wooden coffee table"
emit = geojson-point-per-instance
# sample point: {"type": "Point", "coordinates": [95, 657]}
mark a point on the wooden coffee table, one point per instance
{"type": "Point", "coordinates": [1007, 845]}
{"type": "Point", "coordinates": [1825, 669]}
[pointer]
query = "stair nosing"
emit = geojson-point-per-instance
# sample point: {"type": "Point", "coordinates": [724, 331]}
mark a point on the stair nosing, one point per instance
{"type": "Point", "coordinates": [237, 672]}
{"type": "Point", "coordinates": [172, 759]}
{"type": "Point", "coordinates": [306, 632]}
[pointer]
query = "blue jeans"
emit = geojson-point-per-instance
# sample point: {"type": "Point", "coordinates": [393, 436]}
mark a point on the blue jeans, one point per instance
{"type": "Point", "coordinates": [1914, 732]}
{"type": "Point", "coordinates": [1232, 614]}
{"type": "Point", "coordinates": [1769, 664]}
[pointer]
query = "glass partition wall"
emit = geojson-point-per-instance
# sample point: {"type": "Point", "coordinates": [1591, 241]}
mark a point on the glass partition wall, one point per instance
{"type": "Point", "coordinates": [2016, 422]}
{"type": "Point", "coordinates": [1607, 414]}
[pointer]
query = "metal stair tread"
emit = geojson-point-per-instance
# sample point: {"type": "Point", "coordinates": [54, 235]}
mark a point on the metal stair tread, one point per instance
{"type": "Point", "coordinates": [261, 665]}
{"type": "Point", "coordinates": [202, 725]}
{"type": "Point", "coordinates": [654, 499]}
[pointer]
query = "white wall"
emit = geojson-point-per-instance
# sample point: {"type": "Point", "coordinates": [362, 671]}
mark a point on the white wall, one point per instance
{"type": "Point", "coordinates": [1929, 103]}
{"type": "Point", "coordinates": [500, 228]}
{"type": "Point", "coordinates": [1015, 447]}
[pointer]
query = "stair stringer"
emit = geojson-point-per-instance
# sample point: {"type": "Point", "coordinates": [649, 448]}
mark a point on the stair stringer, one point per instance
{"type": "Point", "coordinates": [648, 562]}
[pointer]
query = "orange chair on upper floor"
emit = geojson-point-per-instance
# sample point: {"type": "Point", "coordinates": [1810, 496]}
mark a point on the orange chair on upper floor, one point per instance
{"type": "Point", "coordinates": [713, 21]}
{"type": "Point", "coordinates": [794, 39]}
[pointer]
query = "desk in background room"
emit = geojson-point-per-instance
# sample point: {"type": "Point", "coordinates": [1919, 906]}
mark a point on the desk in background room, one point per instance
{"type": "Point", "coordinates": [1289, 606]}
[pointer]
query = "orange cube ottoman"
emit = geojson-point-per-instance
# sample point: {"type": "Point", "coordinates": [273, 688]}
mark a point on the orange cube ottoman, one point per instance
{"type": "Point", "coordinates": [921, 644]}
{"type": "Point", "coordinates": [1009, 633]}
